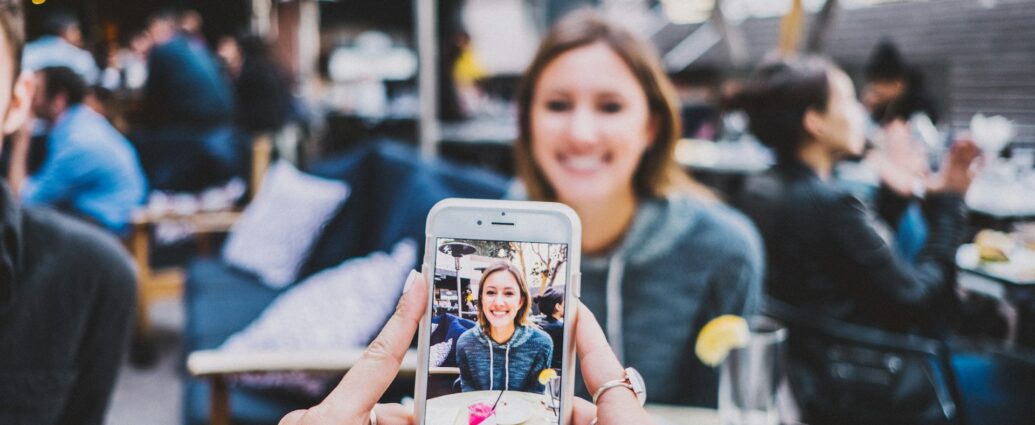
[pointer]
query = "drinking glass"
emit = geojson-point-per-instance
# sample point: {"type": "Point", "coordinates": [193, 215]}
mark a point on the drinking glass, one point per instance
{"type": "Point", "coordinates": [553, 393]}
{"type": "Point", "coordinates": [750, 376]}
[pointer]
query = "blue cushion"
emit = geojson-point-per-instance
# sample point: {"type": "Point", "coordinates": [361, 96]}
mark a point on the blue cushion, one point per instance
{"type": "Point", "coordinates": [220, 300]}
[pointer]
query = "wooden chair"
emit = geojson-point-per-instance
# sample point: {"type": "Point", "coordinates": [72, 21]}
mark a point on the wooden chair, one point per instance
{"type": "Point", "coordinates": [157, 284]}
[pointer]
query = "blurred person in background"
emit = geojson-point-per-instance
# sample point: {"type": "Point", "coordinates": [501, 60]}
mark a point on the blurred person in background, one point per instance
{"type": "Point", "coordinates": [902, 131]}
{"type": "Point", "coordinates": [190, 23]}
{"type": "Point", "coordinates": [895, 90]}
{"type": "Point", "coordinates": [906, 144]}
{"type": "Point", "coordinates": [187, 142]}
{"type": "Point", "coordinates": [829, 256]}
{"type": "Point", "coordinates": [262, 88]}
{"type": "Point", "coordinates": [827, 253]}
{"type": "Point", "coordinates": [61, 45]}
{"type": "Point", "coordinates": [127, 67]}
{"type": "Point", "coordinates": [551, 305]}
{"type": "Point", "coordinates": [266, 104]}
{"type": "Point", "coordinates": [597, 127]}
{"type": "Point", "coordinates": [67, 290]}
{"type": "Point", "coordinates": [228, 50]}
{"type": "Point", "coordinates": [90, 169]}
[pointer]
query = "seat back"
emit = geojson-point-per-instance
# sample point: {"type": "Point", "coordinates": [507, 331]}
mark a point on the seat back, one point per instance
{"type": "Point", "coordinates": [849, 374]}
{"type": "Point", "coordinates": [391, 192]}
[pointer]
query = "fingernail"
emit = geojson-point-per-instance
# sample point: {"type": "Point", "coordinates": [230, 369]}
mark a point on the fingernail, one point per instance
{"type": "Point", "coordinates": [410, 279]}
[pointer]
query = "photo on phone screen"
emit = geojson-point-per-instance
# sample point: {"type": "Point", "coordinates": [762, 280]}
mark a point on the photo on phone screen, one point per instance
{"type": "Point", "coordinates": [497, 328]}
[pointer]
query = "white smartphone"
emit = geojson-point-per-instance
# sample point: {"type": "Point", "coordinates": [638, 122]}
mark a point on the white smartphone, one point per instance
{"type": "Point", "coordinates": [496, 344]}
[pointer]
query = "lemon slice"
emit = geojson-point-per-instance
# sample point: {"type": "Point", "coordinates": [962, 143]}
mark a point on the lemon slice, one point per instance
{"type": "Point", "coordinates": [546, 375]}
{"type": "Point", "coordinates": [719, 336]}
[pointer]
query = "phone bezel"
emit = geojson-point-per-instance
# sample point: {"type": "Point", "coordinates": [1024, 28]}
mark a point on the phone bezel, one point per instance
{"type": "Point", "coordinates": [544, 222]}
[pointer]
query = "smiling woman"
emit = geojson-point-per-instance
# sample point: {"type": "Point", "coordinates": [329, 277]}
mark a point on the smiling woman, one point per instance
{"type": "Point", "coordinates": [503, 352]}
{"type": "Point", "coordinates": [598, 125]}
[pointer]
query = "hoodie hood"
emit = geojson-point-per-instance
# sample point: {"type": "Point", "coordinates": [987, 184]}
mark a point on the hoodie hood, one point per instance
{"type": "Point", "coordinates": [521, 335]}
{"type": "Point", "coordinates": [658, 226]}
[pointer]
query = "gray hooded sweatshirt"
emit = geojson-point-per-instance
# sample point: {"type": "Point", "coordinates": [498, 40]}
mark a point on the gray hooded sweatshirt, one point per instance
{"type": "Point", "coordinates": [514, 366]}
{"type": "Point", "coordinates": [683, 262]}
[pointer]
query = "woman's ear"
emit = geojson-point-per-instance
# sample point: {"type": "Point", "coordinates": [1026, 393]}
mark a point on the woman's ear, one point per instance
{"type": "Point", "coordinates": [21, 103]}
{"type": "Point", "coordinates": [814, 123]}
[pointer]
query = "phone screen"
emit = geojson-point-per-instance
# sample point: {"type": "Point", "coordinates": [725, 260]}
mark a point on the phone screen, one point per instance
{"type": "Point", "coordinates": [497, 332]}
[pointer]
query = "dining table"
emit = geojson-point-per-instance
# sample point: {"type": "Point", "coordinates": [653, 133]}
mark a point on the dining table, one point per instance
{"type": "Point", "coordinates": [1011, 283]}
{"type": "Point", "coordinates": [521, 408]}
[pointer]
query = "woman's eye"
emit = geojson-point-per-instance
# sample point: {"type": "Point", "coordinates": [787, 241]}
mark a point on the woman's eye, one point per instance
{"type": "Point", "coordinates": [611, 107]}
{"type": "Point", "coordinates": [558, 105]}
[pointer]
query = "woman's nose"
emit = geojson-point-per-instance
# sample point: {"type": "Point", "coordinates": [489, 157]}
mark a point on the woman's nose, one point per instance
{"type": "Point", "coordinates": [582, 131]}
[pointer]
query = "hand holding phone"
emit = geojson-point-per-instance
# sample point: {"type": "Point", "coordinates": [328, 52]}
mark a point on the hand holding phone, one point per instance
{"type": "Point", "coordinates": [484, 328]}
{"type": "Point", "coordinates": [496, 327]}
{"type": "Point", "coordinates": [352, 400]}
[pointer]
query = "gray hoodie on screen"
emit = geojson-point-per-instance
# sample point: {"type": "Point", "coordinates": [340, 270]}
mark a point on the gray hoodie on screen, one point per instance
{"type": "Point", "coordinates": [514, 366]}
{"type": "Point", "coordinates": [683, 262]}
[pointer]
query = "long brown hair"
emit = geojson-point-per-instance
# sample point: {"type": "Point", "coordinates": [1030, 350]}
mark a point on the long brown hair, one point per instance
{"type": "Point", "coordinates": [658, 174]}
{"type": "Point", "coordinates": [526, 299]}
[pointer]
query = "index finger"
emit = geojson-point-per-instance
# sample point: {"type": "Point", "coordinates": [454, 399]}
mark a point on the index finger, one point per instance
{"type": "Point", "coordinates": [363, 385]}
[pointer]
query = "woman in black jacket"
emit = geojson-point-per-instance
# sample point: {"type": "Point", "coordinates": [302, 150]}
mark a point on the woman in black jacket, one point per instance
{"type": "Point", "coordinates": [827, 253]}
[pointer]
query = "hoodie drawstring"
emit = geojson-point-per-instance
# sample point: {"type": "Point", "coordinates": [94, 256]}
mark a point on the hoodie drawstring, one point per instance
{"type": "Point", "coordinates": [615, 269]}
{"type": "Point", "coordinates": [506, 368]}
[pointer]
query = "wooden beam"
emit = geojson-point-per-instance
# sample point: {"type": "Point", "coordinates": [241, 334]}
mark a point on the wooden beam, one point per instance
{"type": "Point", "coordinates": [790, 29]}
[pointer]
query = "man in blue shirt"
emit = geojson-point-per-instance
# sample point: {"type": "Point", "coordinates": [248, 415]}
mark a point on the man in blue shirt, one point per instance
{"type": "Point", "coordinates": [90, 169]}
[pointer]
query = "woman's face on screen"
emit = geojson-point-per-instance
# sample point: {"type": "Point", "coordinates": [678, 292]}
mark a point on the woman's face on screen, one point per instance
{"type": "Point", "coordinates": [500, 299]}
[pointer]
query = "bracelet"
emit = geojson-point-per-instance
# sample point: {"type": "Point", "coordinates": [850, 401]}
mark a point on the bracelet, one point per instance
{"type": "Point", "coordinates": [373, 415]}
{"type": "Point", "coordinates": [633, 381]}
{"type": "Point", "coordinates": [609, 385]}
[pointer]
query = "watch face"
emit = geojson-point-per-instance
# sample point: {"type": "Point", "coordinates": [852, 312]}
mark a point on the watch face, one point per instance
{"type": "Point", "coordinates": [637, 383]}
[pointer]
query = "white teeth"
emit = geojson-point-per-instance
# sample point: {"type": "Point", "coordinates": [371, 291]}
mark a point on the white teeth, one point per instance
{"type": "Point", "coordinates": [584, 162]}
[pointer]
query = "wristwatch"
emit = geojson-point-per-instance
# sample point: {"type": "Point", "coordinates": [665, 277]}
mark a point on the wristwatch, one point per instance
{"type": "Point", "coordinates": [632, 381]}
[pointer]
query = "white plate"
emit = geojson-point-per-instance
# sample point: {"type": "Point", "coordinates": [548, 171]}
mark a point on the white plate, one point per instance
{"type": "Point", "coordinates": [512, 411]}
{"type": "Point", "coordinates": [1020, 269]}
